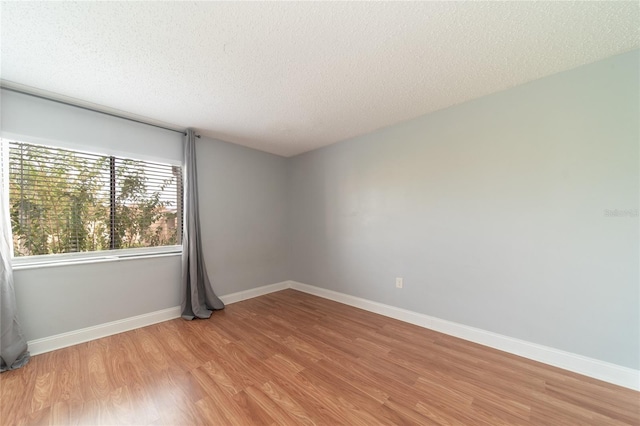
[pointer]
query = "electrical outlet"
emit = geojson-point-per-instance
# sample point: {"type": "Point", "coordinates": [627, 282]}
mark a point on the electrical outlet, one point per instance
{"type": "Point", "coordinates": [399, 282]}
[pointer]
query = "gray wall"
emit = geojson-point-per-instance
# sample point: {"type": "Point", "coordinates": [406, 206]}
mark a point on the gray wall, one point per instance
{"type": "Point", "coordinates": [35, 120]}
{"type": "Point", "coordinates": [243, 197]}
{"type": "Point", "coordinates": [242, 203]}
{"type": "Point", "coordinates": [60, 299]}
{"type": "Point", "coordinates": [493, 211]}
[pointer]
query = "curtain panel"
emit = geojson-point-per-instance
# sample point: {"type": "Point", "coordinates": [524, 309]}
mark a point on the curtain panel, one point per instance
{"type": "Point", "coordinates": [13, 346]}
{"type": "Point", "coordinates": [198, 297]}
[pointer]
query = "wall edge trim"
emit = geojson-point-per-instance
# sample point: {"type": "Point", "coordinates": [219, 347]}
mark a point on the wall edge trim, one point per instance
{"type": "Point", "coordinates": [590, 367]}
{"type": "Point", "coordinates": [75, 337]}
{"type": "Point", "coordinates": [601, 370]}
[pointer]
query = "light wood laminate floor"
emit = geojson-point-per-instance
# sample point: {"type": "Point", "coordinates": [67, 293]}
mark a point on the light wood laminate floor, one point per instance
{"type": "Point", "coordinates": [292, 358]}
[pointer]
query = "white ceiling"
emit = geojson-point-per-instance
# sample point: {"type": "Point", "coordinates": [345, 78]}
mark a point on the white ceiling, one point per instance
{"type": "Point", "coordinates": [290, 77]}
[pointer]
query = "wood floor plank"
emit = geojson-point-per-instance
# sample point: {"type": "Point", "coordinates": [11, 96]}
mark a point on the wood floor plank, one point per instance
{"type": "Point", "coordinates": [289, 358]}
{"type": "Point", "coordinates": [279, 396]}
{"type": "Point", "coordinates": [322, 410]}
{"type": "Point", "coordinates": [275, 411]}
{"type": "Point", "coordinates": [253, 410]}
{"type": "Point", "coordinates": [338, 403]}
{"type": "Point", "coordinates": [220, 400]}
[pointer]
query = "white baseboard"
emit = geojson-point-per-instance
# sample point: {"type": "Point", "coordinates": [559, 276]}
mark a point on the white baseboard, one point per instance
{"type": "Point", "coordinates": [597, 369]}
{"type": "Point", "coordinates": [254, 292]}
{"type": "Point", "coordinates": [59, 341]}
{"type": "Point", "coordinates": [601, 370]}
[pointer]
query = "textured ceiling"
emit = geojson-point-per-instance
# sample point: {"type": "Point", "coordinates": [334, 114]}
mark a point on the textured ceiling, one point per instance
{"type": "Point", "coordinates": [290, 77]}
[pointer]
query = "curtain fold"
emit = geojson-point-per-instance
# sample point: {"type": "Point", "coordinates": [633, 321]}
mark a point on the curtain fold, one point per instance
{"type": "Point", "coordinates": [13, 345]}
{"type": "Point", "coordinates": [198, 298]}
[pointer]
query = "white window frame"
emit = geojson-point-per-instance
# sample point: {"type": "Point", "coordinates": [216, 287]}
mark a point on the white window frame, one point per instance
{"type": "Point", "coordinates": [78, 258]}
{"type": "Point", "coordinates": [64, 259]}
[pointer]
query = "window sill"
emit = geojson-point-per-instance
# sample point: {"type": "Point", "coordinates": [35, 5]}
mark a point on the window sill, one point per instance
{"type": "Point", "coordinates": [22, 264]}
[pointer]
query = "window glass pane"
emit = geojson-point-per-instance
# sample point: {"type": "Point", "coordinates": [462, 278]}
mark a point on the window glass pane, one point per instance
{"type": "Point", "coordinates": [147, 204]}
{"type": "Point", "coordinates": [65, 201]}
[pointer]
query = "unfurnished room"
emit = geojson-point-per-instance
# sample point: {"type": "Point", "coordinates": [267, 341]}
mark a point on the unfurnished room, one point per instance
{"type": "Point", "coordinates": [320, 213]}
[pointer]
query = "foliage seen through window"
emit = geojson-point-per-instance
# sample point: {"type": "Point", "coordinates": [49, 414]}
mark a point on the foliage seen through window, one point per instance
{"type": "Point", "coordinates": [65, 201]}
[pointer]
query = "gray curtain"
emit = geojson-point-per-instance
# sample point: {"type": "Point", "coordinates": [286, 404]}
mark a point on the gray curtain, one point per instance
{"type": "Point", "coordinates": [198, 298]}
{"type": "Point", "coordinates": [13, 346]}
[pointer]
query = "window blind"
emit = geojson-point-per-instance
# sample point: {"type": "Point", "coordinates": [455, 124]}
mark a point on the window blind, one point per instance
{"type": "Point", "coordinates": [66, 201]}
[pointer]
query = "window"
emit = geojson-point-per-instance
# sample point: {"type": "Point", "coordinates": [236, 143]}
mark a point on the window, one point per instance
{"type": "Point", "coordinates": [67, 201]}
